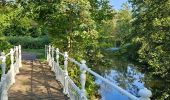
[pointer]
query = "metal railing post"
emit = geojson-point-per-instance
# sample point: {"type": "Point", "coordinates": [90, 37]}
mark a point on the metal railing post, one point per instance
{"type": "Point", "coordinates": [83, 80]}
{"type": "Point", "coordinates": [144, 94]}
{"type": "Point", "coordinates": [65, 91]}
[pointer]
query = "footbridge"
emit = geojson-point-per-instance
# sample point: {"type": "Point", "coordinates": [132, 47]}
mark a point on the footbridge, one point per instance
{"type": "Point", "coordinates": [36, 80]}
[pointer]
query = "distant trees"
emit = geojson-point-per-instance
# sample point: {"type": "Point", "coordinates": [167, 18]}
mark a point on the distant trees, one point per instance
{"type": "Point", "coordinates": [123, 24]}
{"type": "Point", "coordinates": [103, 14]}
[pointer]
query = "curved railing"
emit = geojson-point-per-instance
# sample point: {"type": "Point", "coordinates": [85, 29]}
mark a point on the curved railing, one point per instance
{"type": "Point", "coordinates": [73, 91]}
{"type": "Point", "coordinates": [7, 79]}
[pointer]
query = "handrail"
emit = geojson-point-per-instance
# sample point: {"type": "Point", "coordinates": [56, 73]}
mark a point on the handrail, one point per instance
{"type": "Point", "coordinates": [61, 53]}
{"type": "Point", "coordinates": [7, 54]}
{"type": "Point", "coordinates": [71, 59]}
{"type": "Point", "coordinates": [112, 84]}
{"type": "Point", "coordinates": [74, 61]}
{"type": "Point", "coordinates": [7, 79]}
{"type": "Point", "coordinates": [144, 93]}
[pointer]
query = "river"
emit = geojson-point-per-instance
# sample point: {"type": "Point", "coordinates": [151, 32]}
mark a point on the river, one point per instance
{"type": "Point", "coordinates": [123, 74]}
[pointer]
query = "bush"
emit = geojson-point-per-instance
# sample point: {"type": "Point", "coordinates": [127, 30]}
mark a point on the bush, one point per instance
{"type": "Point", "coordinates": [28, 42]}
{"type": "Point", "coordinates": [128, 51]}
{"type": "Point", "coordinates": [4, 45]}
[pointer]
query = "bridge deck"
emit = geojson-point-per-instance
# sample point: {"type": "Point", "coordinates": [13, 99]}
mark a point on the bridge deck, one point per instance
{"type": "Point", "coordinates": [36, 82]}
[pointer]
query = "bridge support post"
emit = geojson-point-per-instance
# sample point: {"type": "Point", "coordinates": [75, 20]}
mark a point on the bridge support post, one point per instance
{"type": "Point", "coordinates": [20, 56]}
{"type": "Point", "coordinates": [65, 90]}
{"type": "Point", "coordinates": [144, 94]}
{"type": "Point", "coordinates": [12, 66]}
{"type": "Point", "coordinates": [83, 80]}
{"type": "Point", "coordinates": [57, 63]}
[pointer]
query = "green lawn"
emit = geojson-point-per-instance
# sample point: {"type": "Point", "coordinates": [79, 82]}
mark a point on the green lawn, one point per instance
{"type": "Point", "coordinates": [40, 53]}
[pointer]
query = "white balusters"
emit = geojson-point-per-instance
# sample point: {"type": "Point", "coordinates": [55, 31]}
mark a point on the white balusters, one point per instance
{"type": "Point", "coordinates": [17, 60]}
{"type": "Point", "coordinates": [57, 62]}
{"type": "Point", "coordinates": [52, 58]}
{"type": "Point", "coordinates": [144, 94]}
{"type": "Point", "coordinates": [65, 91]}
{"type": "Point", "coordinates": [83, 80]}
{"type": "Point", "coordinates": [3, 59]}
{"type": "Point", "coordinates": [20, 56]}
{"type": "Point", "coordinates": [3, 78]}
{"type": "Point", "coordinates": [47, 52]}
{"type": "Point", "coordinates": [49, 55]}
{"type": "Point", "coordinates": [12, 67]}
{"type": "Point", "coordinates": [8, 79]}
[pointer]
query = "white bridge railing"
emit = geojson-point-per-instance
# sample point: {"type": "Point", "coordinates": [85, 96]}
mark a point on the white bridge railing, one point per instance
{"type": "Point", "coordinates": [73, 91]}
{"type": "Point", "coordinates": [8, 79]}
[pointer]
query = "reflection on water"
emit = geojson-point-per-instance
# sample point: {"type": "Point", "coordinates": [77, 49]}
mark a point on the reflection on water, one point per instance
{"type": "Point", "coordinates": [129, 79]}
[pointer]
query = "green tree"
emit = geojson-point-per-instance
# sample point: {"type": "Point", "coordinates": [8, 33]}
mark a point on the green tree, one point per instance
{"type": "Point", "coordinates": [5, 14]}
{"type": "Point", "coordinates": [151, 30]}
{"type": "Point", "coordinates": [103, 14]}
{"type": "Point", "coordinates": [84, 28]}
{"type": "Point", "coordinates": [70, 27]}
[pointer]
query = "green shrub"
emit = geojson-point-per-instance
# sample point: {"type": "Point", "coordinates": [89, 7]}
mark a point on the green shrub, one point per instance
{"type": "Point", "coordinates": [128, 51]}
{"type": "Point", "coordinates": [28, 42]}
{"type": "Point", "coordinates": [4, 45]}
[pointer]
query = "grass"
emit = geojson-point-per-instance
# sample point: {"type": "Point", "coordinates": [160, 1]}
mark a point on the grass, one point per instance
{"type": "Point", "coordinates": [40, 53]}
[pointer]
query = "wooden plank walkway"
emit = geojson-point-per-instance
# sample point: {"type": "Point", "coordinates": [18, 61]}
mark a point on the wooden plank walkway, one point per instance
{"type": "Point", "coordinates": [36, 82]}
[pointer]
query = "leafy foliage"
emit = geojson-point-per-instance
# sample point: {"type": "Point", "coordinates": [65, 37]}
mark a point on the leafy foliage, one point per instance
{"type": "Point", "coordinates": [28, 42]}
{"type": "Point", "coordinates": [123, 24]}
{"type": "Point", "coordinates": [69, 25]}
{"type": "Point", "coordinates": [14, 23]}
{"type": "Point", "coordinates": [4, 45]}
{"type": "Point", "coordinates": [151, 29]}
{"type": "Point", "coordinates": [85, 28]}
{"type": "Point", "coordinates": [23, 27]}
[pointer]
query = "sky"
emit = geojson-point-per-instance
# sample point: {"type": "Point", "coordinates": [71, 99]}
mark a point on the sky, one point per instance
{"type": "Point", "coordinates": [117, 3]}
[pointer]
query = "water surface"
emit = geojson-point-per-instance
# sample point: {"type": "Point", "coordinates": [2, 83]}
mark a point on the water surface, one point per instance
{"type": "Point", "coordinates": [124, 75]}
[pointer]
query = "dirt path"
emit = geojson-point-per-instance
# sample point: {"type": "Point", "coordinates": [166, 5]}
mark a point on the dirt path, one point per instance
{"type": "Point", "coordinates": [36, 82]}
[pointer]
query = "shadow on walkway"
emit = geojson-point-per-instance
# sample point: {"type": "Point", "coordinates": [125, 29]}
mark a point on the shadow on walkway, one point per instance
{"type": "Point", "coordinates": [36, 82]}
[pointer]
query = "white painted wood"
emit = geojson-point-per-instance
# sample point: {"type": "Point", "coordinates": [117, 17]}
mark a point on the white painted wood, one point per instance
{"type": "Point", "coordinates": [8, 79]}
